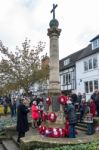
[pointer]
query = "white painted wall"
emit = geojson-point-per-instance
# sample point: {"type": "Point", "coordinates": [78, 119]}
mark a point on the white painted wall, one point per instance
{"type": "Point", "coordinates": [82, 76]}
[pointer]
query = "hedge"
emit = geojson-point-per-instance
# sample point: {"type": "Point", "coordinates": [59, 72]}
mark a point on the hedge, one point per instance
{"type": "Point", "coordinates": [89, 146]}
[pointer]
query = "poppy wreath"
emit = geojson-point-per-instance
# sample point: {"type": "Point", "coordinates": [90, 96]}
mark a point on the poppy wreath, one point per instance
{"type": "Point", "coordinates": [56, 133]}
{"type": "Point", "coordinates": [42, 129]}
{"type": "Point", "coordinates": [49, 132]}
{"type": "Point", "coordinates": [48, 100]}
{"type": "Point", "coordinates": [61, 131]}
{"type": "Point", "coordinates": [52, 132]}
{"type": "Point", "coordinates": [52, 117]}
{"type": "Point", "coordinates": [62, 99]}
{"type": "Point", "coordinates": [44, 116]}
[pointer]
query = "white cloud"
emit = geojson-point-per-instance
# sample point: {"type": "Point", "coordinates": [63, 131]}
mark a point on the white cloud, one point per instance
{"type": "Point", "coordinates": [78, 20]}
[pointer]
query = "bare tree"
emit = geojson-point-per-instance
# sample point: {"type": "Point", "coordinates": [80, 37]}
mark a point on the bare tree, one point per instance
{"type": "Point", "coordinates": [20, 68]}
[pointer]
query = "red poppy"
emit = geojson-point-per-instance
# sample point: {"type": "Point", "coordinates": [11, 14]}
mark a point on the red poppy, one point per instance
{"type": "Point", "coordinates": [44, 116]}
{"type": "Point", "coordinates": [52, 117]}
{"type": "Point", "coordinates": [48, 100]}
{"type": "Point", "coordinates": [63, 99]}
{"type": "Point", "coordinates": [42, 129]}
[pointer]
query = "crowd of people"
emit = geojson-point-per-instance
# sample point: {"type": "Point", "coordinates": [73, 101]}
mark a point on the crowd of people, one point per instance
{"type": "Point", "coordinates": [82, 105]}
{"type": "Point", "coordinates": [87, 110]}
{"type": "Point", "coordinates": [76, 103]}
{"type": "Point", "coordinates": [36, 107]}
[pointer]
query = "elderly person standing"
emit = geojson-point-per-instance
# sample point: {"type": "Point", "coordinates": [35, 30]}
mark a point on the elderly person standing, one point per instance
{"type": "Point", "coordinates": [22, 120]}
{"type": "Point", "coordinates": [71, 114]}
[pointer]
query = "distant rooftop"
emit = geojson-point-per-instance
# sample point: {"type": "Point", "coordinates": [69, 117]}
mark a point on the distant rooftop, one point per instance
{"type": "Point", "coordinates": [85, 52]}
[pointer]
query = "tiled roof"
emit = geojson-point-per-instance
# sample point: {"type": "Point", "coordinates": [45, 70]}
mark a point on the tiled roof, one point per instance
{"type": "Point", "coordinates": [87, 51]}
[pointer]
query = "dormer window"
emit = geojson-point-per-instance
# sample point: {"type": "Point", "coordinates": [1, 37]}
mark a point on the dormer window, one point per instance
{"type": "Point", "coordinates": [95, 42]}
{"type": "Point", "coordinates": [66, 61]}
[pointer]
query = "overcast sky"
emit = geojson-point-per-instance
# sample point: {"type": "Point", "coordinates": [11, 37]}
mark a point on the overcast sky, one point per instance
{"type": "Point", "coordinates": [78, 20]}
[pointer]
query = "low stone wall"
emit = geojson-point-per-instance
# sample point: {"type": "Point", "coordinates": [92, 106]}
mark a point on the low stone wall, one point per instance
{"type": "Point", "coordinates": [39, 141]}
{"type": "Point", "coordinates": [10, 131]}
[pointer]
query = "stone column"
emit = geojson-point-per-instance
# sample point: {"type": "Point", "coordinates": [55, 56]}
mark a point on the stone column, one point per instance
{"type": "Point", "coordinates": [54, 81]}
{"type": "Point", "coordinates": [54, 89]}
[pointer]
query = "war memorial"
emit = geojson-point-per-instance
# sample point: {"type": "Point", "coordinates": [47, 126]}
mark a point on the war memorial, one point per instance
{"type": "Point", "coordinates": [41, 139]}
{"type": "Point", "coordinates": [55, 98]}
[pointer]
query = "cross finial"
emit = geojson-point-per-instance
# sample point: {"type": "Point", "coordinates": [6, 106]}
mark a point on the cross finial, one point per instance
{"type": "Point", "coordinates": [53, 10]}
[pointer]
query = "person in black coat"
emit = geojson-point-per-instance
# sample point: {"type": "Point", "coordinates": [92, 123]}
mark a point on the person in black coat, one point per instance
{"type": "Point", "coordinates": [22, 120]}
{"type": "Point", "coordinates": [71, 114]}
{"type": "Point", "coordinates": [93, 96]}
{"type": "Point", "coordinates": [74, 98]}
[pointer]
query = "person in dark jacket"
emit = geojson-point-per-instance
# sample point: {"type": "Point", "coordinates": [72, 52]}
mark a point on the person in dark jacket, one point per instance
{"type": "Point", "coordinates": [22, 120]}
{"type": "Point", "coordinates": [13, 107]}
{"type": "Point", "coordinates": [79, 98]}
{"type": "Point", "coordinates": [74, 98]}
{"type": "Point", "coordinates": [82, 108]}
{"type": "Point", "coordinates": [94, 95]}
{"type": "Point", "coordinates": [71, 114]}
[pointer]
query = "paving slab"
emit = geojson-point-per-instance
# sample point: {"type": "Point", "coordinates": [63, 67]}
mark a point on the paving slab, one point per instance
{"type": "Point", "coordinates": [1, 147]}
{"type": "Point", "coordinates": [14, 138]}
{"type": "Point", "coordinates": [9, 145]}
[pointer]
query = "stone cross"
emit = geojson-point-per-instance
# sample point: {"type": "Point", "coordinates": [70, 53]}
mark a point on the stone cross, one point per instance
{"type": "Point", "coordinates": [53, 10]}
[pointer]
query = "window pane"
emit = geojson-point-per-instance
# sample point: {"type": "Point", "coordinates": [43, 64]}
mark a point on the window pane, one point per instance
{"type": "Point", "coordinates": [94, 44]}
{"type": "Point", "coordinates": [85, 66]}
{"type": "Point", "coordinates": [95, 63]}
{"type": "Point", "coordinates": [97, 42]}
{"type": "Point", "coordinates": [91, 86]}
{"type": "Point", "coordinates": [69, 78]}
{"type": "Point", "coordinates": [86, 87]}
{"type": "Point", "coordinates": [90, 63]}
{"type": "Point", "coordinates": [95, 84]}
{"type": "Point", "coordinates": [64, 79]}
{"type": "Point", "coordinates": [66, 62]}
